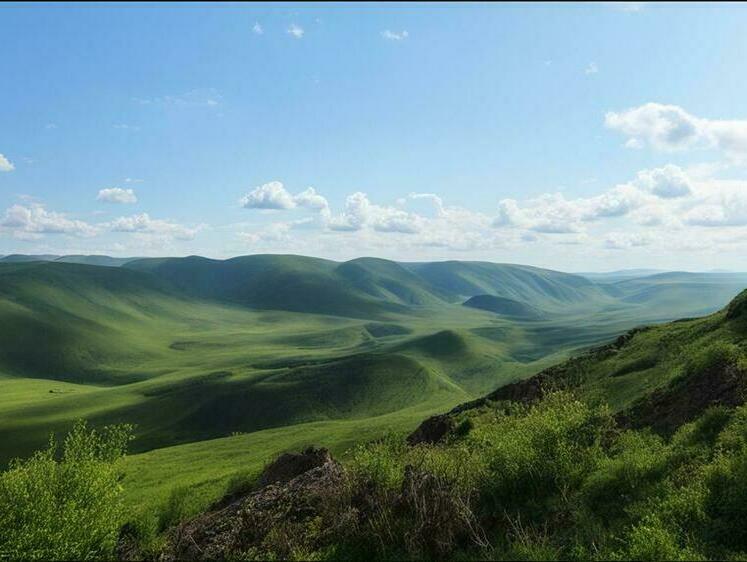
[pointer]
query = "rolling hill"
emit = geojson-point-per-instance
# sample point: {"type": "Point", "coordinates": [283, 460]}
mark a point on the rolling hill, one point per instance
{"type": "Point", "coordinates": [194, 350]}
{"type": "Point", "coordinates": [505, 307]}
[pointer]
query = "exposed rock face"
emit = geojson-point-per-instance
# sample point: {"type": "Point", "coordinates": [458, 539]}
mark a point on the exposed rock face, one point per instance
{"type": "Point", "coordinates": [289, 465]}
{"type": "Point", "coordinates": [432, 430]}
{"type": "Point", "coordinates": [301, 483]}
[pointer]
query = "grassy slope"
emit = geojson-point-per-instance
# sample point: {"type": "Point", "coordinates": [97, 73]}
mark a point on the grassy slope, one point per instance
{"type": "Point", "coordinates": [123, 345]}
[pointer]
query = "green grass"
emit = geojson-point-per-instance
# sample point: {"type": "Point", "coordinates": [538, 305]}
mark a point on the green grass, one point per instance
{"type": "Point", "coordinates": [174, 347]}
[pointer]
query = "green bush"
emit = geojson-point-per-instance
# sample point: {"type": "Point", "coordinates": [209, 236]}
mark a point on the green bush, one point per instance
{"type": "Point", "coordinates": [639, 461]}
{"type": "Point", "coordinates": [535, 457]}
{"type": "Point", "coordinates": [714, 356]}
{"type": "Point", "coordinates": [66, 508]}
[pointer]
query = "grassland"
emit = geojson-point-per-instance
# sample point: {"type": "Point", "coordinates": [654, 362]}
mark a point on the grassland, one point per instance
{"type": "Point", "coordinates": [224, 364]}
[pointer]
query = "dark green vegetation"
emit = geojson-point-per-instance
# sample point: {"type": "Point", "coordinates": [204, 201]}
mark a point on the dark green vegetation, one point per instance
{"type": "Point", "coordinates": [223, 364]}
{"type": "Point", "coordinates": [505, 307]}
{"type": "Point", "coordinates": [636, 450]}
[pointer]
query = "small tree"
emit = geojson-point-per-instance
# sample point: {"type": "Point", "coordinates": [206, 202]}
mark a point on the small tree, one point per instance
{"type": "Point", "coordinates": [65, 507]}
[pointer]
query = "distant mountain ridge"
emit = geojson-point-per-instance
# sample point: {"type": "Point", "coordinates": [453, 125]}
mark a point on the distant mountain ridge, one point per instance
{"type": "Point", "coordinates": [365, 286]}
{"type": "Point", "coordinates": [373, 287]}
{"type": "Point", "coordinates": [74, 258]}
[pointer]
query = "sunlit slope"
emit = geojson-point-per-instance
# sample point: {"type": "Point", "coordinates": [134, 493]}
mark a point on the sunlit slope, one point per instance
{"type": "Point", "coordinates": [81, 323]}
{"type": "Point", "coordinates": [542, 288]}
{"type": "Point", "coordinates": [684, 364]}
{"type": "Point", "coordinates": [691, 294]}
{"type": "Point", "coordinates": [279, 282]}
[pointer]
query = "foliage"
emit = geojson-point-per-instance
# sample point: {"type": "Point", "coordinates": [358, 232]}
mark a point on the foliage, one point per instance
{"type": "Point", "coordinates": [66, 508]}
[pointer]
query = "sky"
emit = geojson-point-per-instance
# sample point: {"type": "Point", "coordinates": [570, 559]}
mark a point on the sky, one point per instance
{"type": "Point", "coordinates": [579, 137]}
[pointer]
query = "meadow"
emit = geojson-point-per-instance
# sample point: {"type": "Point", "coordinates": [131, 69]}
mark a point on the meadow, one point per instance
{"type": "Point", "coordinates": [221, 365]}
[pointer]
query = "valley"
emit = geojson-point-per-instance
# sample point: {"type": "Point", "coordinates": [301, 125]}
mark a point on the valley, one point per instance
{"type": "Point", "coordinates": [223, 364]}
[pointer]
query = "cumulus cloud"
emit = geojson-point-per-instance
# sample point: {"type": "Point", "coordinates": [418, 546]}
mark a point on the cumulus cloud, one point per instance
{"type": "Point", "coordinates": [33, 219]}
{"type": "Point", "coordinates": [438, 203]}
{"type": "Point", "coordinates": [671, 128]}
{"type": "Point", "coordinates": [310, 199]}
{"type": "Point", "coordinates": [296, 31]}
{"type": "Point", "coordinates": [555, 214]}
{"type": "Point", "coordinates": [668, 182]}
{"type": "Point", "coordinates": [395, 35]}
{"type": "Point", "coordinates": [550, 213]}
{"type": "Point", "coordinates": [274, 196]}
{"type": "Point", "coordinates": [142, 223]}
{"type": "Point", "coordinates": [719, 204]}
{"type": "Point", "coordinates": [117, 195]}
{"type": "Point", "coordinates": [360, 213]}
{"type": "Point", "coordinates": [592, 68]}
{"type": "Point", "coordinates": [271, 195]}
{"type": "Point", "coordinates": [6, 165]}
{"type": "Point", "coordinates": [257, 29]}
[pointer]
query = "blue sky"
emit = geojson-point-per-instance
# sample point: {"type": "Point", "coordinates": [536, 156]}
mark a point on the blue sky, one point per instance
{"type": "Point", "coordinates": [580, 137]}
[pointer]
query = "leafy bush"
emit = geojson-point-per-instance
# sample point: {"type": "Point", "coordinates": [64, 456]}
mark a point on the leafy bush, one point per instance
{"type": "Point", "coordinates": [638, 463]}
{"type": "Point", "coordinates": [66, 508]}
{"type": "Point", "coordinates": [717, 355]}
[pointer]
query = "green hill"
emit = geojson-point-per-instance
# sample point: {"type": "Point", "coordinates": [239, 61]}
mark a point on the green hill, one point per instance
{"type": "Point", "coordinates": [505, 307]}
{"type": "Point", "coordinates": [539, 287]}
{"type": "Point", "coordinates": [22, 258]}
{"type": "Point", "coordinates": [73, 322]}
{"type": "Point", "coordinates": [294, 283]}
{"type": "Point", "coordinates": [95, 260]}
{"type": "Point", "coordinates": [194, 350]}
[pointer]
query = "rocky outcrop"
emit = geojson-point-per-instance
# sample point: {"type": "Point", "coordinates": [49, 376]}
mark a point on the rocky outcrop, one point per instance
{"type": "Point", "coordinates": [296, 485]}
{"type": "Point", "coordinates": [433, 430]}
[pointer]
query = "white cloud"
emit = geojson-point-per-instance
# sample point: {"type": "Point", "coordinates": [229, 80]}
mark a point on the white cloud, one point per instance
{"type": "Point", "coordinates": [6, 165]}
{"type": "Point", "coordinates": [117, 195]}
{"type": "Point", "coordinates": [438, 203]}
{"type": "Point", "coordinates": [32, 218]}
{"type": "Point", "coordinates": [718, 204]}
{"type": "Point", "coordinates": [271, 195]}
{"type": "Point", "coordinates": [592, 68]}
{"type": "Point", "coordinates": [671, 128]}
{"type": "Point", "coordinates": [310, 199]}
{"type": "Point", "coordinates": [668, 182]}
{"type": "Point", "coordinates": [274, 196]}
{"type": "Point", "coordinates": [295, 31]}
{"type": "Point", "coordinates": [360, 213]}
{"type": "Point", "coordinates": [257, 29]}
{"type": "Point", "coordinates": [552, 213]}
{"type": "Point", "coordinates": [625, 240]}
{"type": "Point", "coordinates": [144, 224]}
{"type": "Point", "coordinates": [395, 35]}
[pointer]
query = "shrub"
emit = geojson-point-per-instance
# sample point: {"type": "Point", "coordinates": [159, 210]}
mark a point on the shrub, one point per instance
{"type": "Point", "coordinates": [715, 356]}
{"type": "Point", "coordinates": [638, 463]}
{"type": "Point", "coordinates": [66, 508]}
{"type": "Point", "coordinates": [540, 455]}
